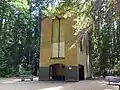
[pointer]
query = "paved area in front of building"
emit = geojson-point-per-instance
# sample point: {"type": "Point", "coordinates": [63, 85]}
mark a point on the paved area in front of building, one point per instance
{"type": "Point", "coordinates": [16, 84]}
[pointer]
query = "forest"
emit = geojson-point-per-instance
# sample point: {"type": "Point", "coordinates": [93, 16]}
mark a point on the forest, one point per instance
{"type": "Point", "coordinates": [20, 32]}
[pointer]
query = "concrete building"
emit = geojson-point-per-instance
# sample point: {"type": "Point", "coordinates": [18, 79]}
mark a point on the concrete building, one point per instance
{"type": "Point", "coordinates": [59, 60]}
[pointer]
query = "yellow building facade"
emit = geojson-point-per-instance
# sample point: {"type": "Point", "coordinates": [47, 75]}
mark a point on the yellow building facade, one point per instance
{"type": "Point", "coordinates": [57, 60]}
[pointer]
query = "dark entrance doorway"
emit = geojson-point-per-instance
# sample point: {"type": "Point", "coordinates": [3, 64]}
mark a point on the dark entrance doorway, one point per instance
{"type": "Point", "coordinates": [81, 72]}
{"type": "Point", "coordinates": [57, 72]}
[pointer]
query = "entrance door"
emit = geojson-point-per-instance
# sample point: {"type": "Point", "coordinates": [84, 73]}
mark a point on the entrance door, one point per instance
{"type": "Point", "coordinates": [81, 72]}
{"type": "Point", "coordinates": [57, 72]}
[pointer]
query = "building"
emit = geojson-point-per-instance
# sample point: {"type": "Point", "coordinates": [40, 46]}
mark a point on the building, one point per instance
{"type": "Point", "coordinates": [59, 58]}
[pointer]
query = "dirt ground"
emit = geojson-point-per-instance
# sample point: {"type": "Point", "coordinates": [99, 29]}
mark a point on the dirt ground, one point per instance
{"type": "Point", "coordinates": [17, 84]}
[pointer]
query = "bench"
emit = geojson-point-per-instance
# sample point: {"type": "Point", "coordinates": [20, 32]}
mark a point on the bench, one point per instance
{"type": "Point", "coordinates": [23, 77]}
{"type": "Point", "coordinates": [115, 79]}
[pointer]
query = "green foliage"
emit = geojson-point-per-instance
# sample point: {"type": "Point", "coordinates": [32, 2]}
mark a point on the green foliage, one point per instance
{"type": "Point", "coordinates": [19, 36]}
{"type": "Point", "coordinates": [3, 64]}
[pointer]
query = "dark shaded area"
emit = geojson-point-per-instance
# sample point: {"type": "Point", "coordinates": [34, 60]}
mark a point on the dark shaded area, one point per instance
{"type": "Point", "coordinates": [56, 72]}
{"type": "Point", "coordinates": [81, 72]}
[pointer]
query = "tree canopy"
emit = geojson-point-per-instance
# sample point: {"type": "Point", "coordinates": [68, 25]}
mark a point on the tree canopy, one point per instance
{"type": "Point", "coordinates": [19, 37]}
